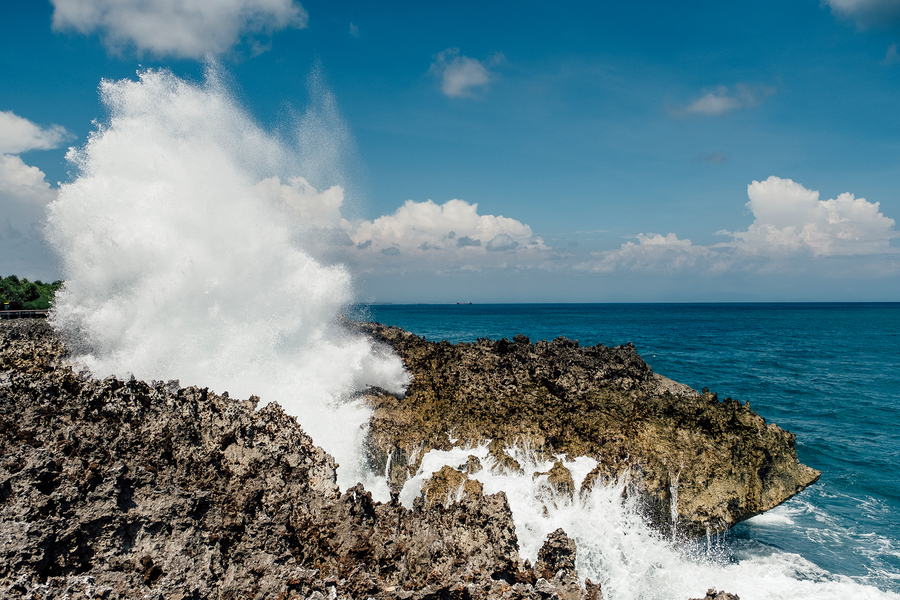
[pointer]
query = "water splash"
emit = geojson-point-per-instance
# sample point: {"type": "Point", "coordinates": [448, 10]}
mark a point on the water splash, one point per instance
{"type": "Point", "coordinates": [178, 266]}
{"type": "Point", "coordinates": [617, 548]}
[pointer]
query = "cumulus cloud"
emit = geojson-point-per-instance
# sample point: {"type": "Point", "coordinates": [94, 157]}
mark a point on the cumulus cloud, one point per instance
{"type": "Point", "coordinates": [417, 236]}
{"type": "Point", "coordinates": [459, 74]}
{"type": "Point", "coordinates": [320, 209]}
{"type": "Point", "coordinates": [501, 242]}
{"type": "Point", "coordinates": [187, 28]}
{"type": "Point", "coordinates": [652, 252]}
{"type": "Point", "coordinates": [22, 184]}
{"type": "Point", "coordinates": [792, 228]}
{"type": "Point", "coordinates": [791, 219]}
{"type": "Point", "coordinates": [18, 134]}
{"type": "Point", "coordinates": [24, 193]}
{"type": "Point", "coordinates": [790, 225]}
{"type": "Point", "coordinates": [723, 99]}
{"type": "Point", "coordinates": [867, 13]}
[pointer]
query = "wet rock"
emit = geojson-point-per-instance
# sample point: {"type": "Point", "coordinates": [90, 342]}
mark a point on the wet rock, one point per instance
{"type": "Point", "coordinates": [560, 479]}
{"type": "Point", "coordinates": [721, 460]}
{"type": "Point", "coordinates": [556, 567]}
{"type": "Point", "coordinates": [449, 485]}
{"type": "Point", "coordinates": [123, 489]}
{"type": "Point", "coordinates": [471, 466]}
{"type": "Point", "coordinates": [712, 594]}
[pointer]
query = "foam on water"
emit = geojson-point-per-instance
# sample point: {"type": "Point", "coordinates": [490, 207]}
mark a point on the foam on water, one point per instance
{"type": "Point", "coordinates": [619, 550]}
{"type": "Point", "coordinates": [179, 266]}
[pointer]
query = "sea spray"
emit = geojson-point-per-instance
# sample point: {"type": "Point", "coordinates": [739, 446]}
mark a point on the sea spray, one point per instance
{"type": "Point", "coordinates": [178, 241]}
{"type": "Point", "coordinates": [619, 550]}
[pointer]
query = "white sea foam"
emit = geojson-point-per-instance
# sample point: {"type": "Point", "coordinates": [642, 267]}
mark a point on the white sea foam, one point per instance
{"type": "Point", "coordinates": [178, 266]}
{"type": "Point", "coordinates": [631, 561]}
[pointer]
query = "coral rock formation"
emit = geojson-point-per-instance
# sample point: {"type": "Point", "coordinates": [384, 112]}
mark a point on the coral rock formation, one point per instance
{"type": "Point", "coordinates": [719, 461]}
{"type": "Point", "coordinates": [124, 489]}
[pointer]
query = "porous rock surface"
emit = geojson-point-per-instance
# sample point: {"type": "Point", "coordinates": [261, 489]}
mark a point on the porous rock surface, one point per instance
{"type": "Point", "coordinates": [718, 461]}
{"type": "Point", "coordinates": [124, 489]}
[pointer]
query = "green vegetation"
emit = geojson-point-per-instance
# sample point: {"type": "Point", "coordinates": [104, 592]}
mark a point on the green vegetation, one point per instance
{"type": "Point", "coordinates": [22, 294]}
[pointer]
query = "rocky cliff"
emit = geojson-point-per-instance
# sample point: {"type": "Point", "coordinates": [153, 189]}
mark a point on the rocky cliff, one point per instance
{"type": "Point", "coordinates": [124, 489]}
{"type": "Point", "coordinates": [120, 489]}
{"type": "Point", "coordinates": [718, 461]}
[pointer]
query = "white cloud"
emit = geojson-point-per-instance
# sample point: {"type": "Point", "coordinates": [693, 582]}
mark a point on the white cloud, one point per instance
{"type": "Point", "coordinates": [791, 227]}
{"type": "Point", "coordinates": [653, 252]}
{"type": "Point", "coordinates": [24, 192]}
{"type": "Point", "coordinates": [460, 74]}
{"type": "Point", "coordinates": [867, 13]}
{"type": "Point", "coordinates": [23, 184]}
{"type": "Point", "coordinates": [723, 100]}
{"type": "Point", "coordinates": [18, 134]}
{"type": "Point", "coordinates": [417, 236]}
{"type": "Point", "coordinates": [501, 242]}
{"type": "Point", "coordinates": [183, 28]}
{"type": "Point", "coordinates": [320, 209]}
{"type": "Point", "coordinates": [791, 219]}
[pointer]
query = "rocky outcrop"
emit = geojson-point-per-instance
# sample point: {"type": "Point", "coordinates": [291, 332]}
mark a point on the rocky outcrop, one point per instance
{"type": "Point", "coordinates": [715, 462]}
{"type": "Point", "coordinates": [124, 489]}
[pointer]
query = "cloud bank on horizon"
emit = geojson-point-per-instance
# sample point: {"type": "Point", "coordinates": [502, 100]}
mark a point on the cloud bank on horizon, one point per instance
{"type": "Point", "coordinates": [790, 223]}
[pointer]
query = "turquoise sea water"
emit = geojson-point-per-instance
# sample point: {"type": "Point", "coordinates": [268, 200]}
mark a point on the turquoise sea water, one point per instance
{"type": "Point", "coordinates": [828, 372]}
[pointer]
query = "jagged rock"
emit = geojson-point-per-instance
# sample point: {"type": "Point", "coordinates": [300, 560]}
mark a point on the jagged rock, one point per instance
{"type": "Point", "coordinates": [558, 552]}
{"type": "Point", "coordinates": [449, 485]}
{"type": "Point", "coordinates": [556, 567]}
{"type": "Point", "coordinates": [712, 594]}
{"type": "Point", "coordinates": [725, 461]}
{"type": "Point", "coordinates": [123, 489]}
{"type": "Point", "coordinates": [560, 479]}
{"type": "Point", "coordinates": [471, 466]}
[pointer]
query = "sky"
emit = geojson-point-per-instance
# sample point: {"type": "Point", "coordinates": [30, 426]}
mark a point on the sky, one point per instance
{"type": "Point", "coordinates": [513, 152]}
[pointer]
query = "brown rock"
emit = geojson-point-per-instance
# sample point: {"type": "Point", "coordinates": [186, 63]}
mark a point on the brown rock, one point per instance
{"type": "Point", "coordinates": [124, 489]}
{"type": "Point", "coordinates": [606, 403]}
{"type": "Point", "coordinates": [712, 594]}
{"type": "Point", "coordinates": [448, 486]}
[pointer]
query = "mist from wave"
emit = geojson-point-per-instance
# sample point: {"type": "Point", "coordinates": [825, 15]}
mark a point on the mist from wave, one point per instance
{"type": "Point", "coordinates": [183, 261]}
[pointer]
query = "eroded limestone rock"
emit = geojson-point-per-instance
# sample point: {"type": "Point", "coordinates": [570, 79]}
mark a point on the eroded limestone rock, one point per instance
{"type": "Point", "coordinates": [726, 462]}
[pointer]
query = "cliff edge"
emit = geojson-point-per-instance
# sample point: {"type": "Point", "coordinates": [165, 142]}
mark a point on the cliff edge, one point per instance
{"type": "Point", "coordinates": [715, 462]}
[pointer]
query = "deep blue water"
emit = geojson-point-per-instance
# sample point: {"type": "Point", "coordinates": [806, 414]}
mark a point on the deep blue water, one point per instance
{"type": "Point", "coordinates": [828, 372]}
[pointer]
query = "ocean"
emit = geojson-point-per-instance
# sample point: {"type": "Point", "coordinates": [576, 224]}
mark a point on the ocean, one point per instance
{"type": "Point", "coordinates": [828, 372]}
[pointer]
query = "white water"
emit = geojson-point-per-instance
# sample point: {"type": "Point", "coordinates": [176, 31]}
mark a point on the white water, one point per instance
{"type": "Point", "coordinates": [631, 561]}
{"type": "Point", "coordinates": [187, 241]}
{"type": "Point", "coordinates": [179, 248]}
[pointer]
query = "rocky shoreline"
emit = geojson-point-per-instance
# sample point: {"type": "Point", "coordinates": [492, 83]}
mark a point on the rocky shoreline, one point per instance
{"type": "Point", "coordinates": [118, 489]}
{"type": "Point", "coordinates": [726, 463]}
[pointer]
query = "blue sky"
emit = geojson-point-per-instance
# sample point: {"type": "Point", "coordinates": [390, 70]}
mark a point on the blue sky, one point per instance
{"type": "Point", "coordinates": [620, 142]}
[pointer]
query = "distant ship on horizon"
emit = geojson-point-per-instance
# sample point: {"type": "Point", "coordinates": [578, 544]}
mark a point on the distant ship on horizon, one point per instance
{"type": "Point", "coordinates": [464, 303]}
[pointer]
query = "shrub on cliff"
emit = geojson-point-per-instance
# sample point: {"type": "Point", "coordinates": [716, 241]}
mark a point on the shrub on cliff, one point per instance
{"type": "Point", "coordinates": [29, 295]}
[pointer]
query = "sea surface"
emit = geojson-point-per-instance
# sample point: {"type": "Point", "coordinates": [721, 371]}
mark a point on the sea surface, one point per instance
{"type": "Point", "coordinates": [829, 372]}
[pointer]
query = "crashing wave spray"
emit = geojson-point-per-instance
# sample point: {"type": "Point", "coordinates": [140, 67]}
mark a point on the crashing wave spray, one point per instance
{"type": "Point", "coordinates": [181, 262]}
{"type": "Point", "coordinates": [621, 552]}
